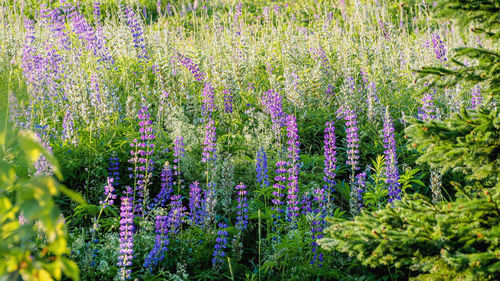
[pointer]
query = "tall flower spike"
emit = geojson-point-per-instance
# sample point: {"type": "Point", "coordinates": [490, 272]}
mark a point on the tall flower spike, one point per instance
{"type": "Point", "coordinates": [178, 154]}
{"type": "Point", "coordinates": [439, 48]}
{"type": "Point", "coordinates": [176, 214]}
{"type": "Point", "coordinates": [352, 140]}
{"type": "Point", "coordinates": [293, 167]}
{"type": "Point", "coordinates": [159, 249]}
{"type": "Point", "coordinates": [318, 223]}
{"type": "Point", "coordinates": [279, 189]}
{"type": "Point", "coordinates": [261, 168]}
{"type": "Point", "coordinates": [208, 106]}
{"type": "Point", "coordinates": [242, 208]}
{"type": "Point", "coordinates": [166, 187]}
{"type": "Point", "coordinates": [220, 246]}
{"type": "Point", "coordinates": [428, 110]}
{"type": "Point", "coordinates": [114, 169]}
{"type": "Point", "coordinates": [272, 103]}
{"type": "Point", "coordinates": [109, 196]}
{"type": "Point", "coordinates": [126, 239]}
{"type": "Point", "coordinates": [356, 196]}
{"type": "Point", "coordinates": [330, 154]}
{"type": "Point", "coordinates": [476, 98]}
{"type": "Point", "coordinates": [137, 33]}
{"type": "Point", "coordinates": [209, 148]}
{"type": "Point", "coordinates": [193, 67]}
{"type": "Point", "coordinates": [391, 171]}
{"type": "Point", "coordinates": [196, 212]}
{"type": "Point", "coordinates": [228, 101]}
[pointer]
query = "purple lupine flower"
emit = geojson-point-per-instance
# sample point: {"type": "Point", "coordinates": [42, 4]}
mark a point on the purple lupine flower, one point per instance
{"type": "Point", "coordinates": [209, 202]}
{"type": "Point", "coordinates": [126, 239]}
{"type": "Point", "coordinates": [318, 223]}
{"type": "Point", "coordinates": [178, 154]}
{"type": "Point", "coordinates": [293, 167]}
{"type": "Point", "coordinates": [209, 144]}
{"type": "Point", "coordinates": [160, 247]}
{"type": "Point", "coordinates": [439, 48]}
{"type": "Point", "coordinates": [208, 106]}
{"type": "Point", "coordinates": [97, 11]}
{"type": "Point", "coordinates": [261, 168]}
{"type": "Point", "coordinates": [242, 207]}
{"type": "Point", "coordinates": [220, 245]}
{"type": "Point", "coordinates": [68, 126]}
{"type": "Point", "coordinates": [356, 196]}
{"type": "Point", "coordinates": [114, 169]}
{"type": "Point", "coordinates": [109, 196]}
{"type": "Point", "coordinates": [228, 101]}
{"type": "Point", "coordinates": [143, 164]}
{"type": "Point", "coordinates": [279, 188]}
{"type": "Point", "coordinates": [330, 154]}
{"type": "Point", "coordinates": [189, 64]}
{"type": "Point", "coordinates": [352, 140]}
{"type": "Point", "coordinates": [391, 171]}
{"type": "Point", "coordinates": [42, 165]}
{"type": "Point", "coordinates": [137, 33]}
{"type": "Point", "coordinates": [305, 204]}
{"type": "Point", "coordinates": [166, 187]}
{"type": "Point", "coordinates": [196, 212]}
{"type": "Point", "coordinates": [272, 102]}
{"type": "Point", "coordinates": [428, 110]}
{"type": "Point", "coordinates": [476, 98]}
{"type": "Point", "coordinates": [176, 214]}
{"type": "Point", "coordinates": [383, 28]}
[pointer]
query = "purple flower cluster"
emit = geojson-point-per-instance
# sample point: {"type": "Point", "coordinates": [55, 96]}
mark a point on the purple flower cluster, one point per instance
{"type": "Point", "coordinates": [176, 214]}
{"type": "Point", "coordinates": [428, 110]}
{"type": "Point", "coordinates": [193, 67]}
{"type": "Point", "coordinates": [114, 169]}
{"type": "Point", "coordinates": [220, 245]}
{"type": "Point", "coordinates": [273, 105]}
{"type": "Point", "coordinates": [166, 187]}
{"type": "Point", "coordinates": [159, 249]}
{"type": "Point", "coordinates": [356, 196]}
{"type": "Point", "coordinates": [279, 188]}
{"type": "Point", "coordinates": [352, 139]}
{"type": "Point", "coordinates": [137, 33]}
{"type": "Point", "coordinates": [209, 202]}
{"type": "Point", "coordinates": [109, 196]}
{"type": "Point", "coordinates": [242, 208]}
{"type": "Point", "coordinates": [391, 171]}
{"type": "Point", "coordinates": [439, 48]}
{"type": "Point", "coordinates": [196, 213]}
{"type": "Point", "coordinates": [126, 239]}
{"type": "Point", "coordinates": [330, 154]}
{"type": "Point", "coordinates": [476, 98]}
{"type": "Point", "coordinates": [317, 224]}
{"type": "Point", "coordinates": [143, 164]}
{"type": "Point", "coordinates": [209, 144]}
{"type": "Point", "coordinates": [261, 168]}
{"type": "Point", "coordinates": [228, 101]}
{"type": "Point", "coordinates": [293, 167]}
{"type": "Point", "coordinates": [208, 106]}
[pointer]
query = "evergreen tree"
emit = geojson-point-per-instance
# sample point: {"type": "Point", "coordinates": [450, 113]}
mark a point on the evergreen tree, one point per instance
{"type": "Point", "coordinates": [457, 240]}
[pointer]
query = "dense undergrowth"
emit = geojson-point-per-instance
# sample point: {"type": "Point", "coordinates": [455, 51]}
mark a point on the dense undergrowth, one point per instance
{"type": "Point", "coordinates": [211, 139]}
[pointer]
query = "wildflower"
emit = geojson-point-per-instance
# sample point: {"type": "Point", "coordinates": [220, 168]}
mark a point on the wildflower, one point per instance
{"type": "Point", "coordinates": [242, 207]}
{"type": "Point", "coordinates": [228, 101]}
{"type": "Point", "coordinates": [279, 187]}
{"type": "Point", "coordinates": [294, 166]}
{"type": "Point", "coordinates": [428, 110]}
{"type": "Point", "coordinates": [196, 213]}
{"type": "Point", "coordinates": [220, 245]}
{"type": "Point", "coordinates": [209, 143]}
{"type": "Point", "coordinates": [208, 106]}
{"type": "Point", "coordinates": [126, 239]}
{"type": "Point", "coordinates": [352, 139]}
{"type": "Point", "coordinates": [439, 48]}
{"type": "Point", "coordinates": [476, 98]}
{"type": "Point", "coordinates": [178, 153]}
{"type": "Point", "coordinates": [166, 187]}
{"type": "Point", "coordinates": [176, 214]}
{"type": "Point", "coordinates": [330, 159]}
{"type": "Point", "coordinates": [137, 34]}
{"type": "Point", "coordinates": [159, 249]}
{"type": "Point", "coordinates": [189, 64]}
{"type": "Point", "coordinates": [391, 171]}
{"type": "Point", "coordinates": [272, 102]}
{"type": "Point", "coordinates": [356, 196]}
{"type": "Point", "coordinates": [109, 196]}
{"type": "Point", "coordinates": [114, 169]}
{"type": "Point", "coordinates": [261, 168]}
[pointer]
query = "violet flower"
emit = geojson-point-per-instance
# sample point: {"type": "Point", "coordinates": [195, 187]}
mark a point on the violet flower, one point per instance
{"type": "Point", "coordinates": [330, 162]}
{"type": "Point", "coordinates": [208, 106]}
{"type": "Point", "coordinates": [209, 144]}
{"type": "Point", "coordinates": [137, 33]}
{"type": "Point", "coordinates": [109, 196]}
{"type": "Point", "coordinates": [195, 201]}
{"type": "Point", "coordinates": [352, 140]}
{"type": "Point", "coordinates": [228, 101]}
{"type": "Point", "coordinates": [160, 247]}
{"type": "Point", "coordinates": [272, 103]}
{"type": "Point", "coordinates": [391, 171]}
{"type": "Point", "coordinates": [220, 245]}
{"type": "Point", "coordinates": [293, 167]}
{"type": "Point", "coordinates": [261, 168]}
{"type": "Point", "coordinates": [242, 208]}
{"type": "Point", "coordinates": [126, 239]}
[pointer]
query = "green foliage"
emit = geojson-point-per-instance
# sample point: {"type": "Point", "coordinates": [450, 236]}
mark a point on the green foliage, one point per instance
{"type": "Point", "coordinates": [449, 241]}
{"type": "Point", "coordinates": [33, 241]}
